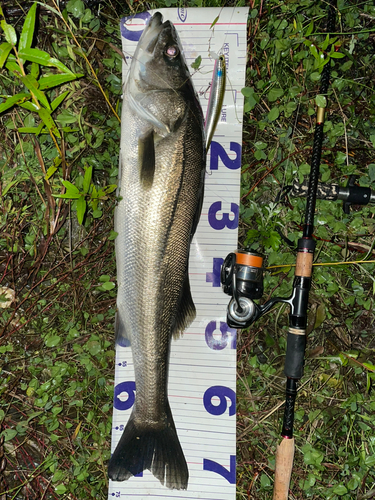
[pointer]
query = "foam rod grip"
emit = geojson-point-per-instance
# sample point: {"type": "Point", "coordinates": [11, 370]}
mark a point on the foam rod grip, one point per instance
{"type": "Point", "coordinates": [284, 466]}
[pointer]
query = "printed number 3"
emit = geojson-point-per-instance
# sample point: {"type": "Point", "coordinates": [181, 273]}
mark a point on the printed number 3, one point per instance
{"type": "Point", "coordinates": [225, 221]}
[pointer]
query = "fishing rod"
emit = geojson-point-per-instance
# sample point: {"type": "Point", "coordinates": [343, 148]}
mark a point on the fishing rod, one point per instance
{"type": "Point", "coordinates": [351, 194]}
{"type": "Point", "coordinates": [242, 278]}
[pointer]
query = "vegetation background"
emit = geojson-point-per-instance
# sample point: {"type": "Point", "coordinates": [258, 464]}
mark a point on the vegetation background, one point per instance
{"type": "Point", "coordinates": [60, 88]}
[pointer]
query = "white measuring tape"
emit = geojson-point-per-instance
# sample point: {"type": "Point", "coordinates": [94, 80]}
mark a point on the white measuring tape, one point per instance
{"type": "Point", "coordinates": [202, 373]}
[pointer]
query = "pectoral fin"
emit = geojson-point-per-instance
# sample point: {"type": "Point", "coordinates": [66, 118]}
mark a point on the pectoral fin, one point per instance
{"type": "Point", "coordinates": [146, 159]}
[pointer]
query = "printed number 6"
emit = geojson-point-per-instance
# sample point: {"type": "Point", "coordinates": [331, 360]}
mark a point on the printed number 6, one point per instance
{"type": "Point", "coordinates": [124, 396]}
{"type": "Point", "coordinates": [222, 393]}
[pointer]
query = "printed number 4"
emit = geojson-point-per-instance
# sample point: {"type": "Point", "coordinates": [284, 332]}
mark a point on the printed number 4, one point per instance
{"type": "Point", "coordinates": [229, 475]}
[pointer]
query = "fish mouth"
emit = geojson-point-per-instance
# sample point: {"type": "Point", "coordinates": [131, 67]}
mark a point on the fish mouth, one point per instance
{"type": "Point", "coordinates": [152, 32]}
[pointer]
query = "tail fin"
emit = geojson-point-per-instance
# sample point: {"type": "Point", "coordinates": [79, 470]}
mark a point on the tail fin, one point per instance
{"type": "Point", "coordinates": [157, 450]}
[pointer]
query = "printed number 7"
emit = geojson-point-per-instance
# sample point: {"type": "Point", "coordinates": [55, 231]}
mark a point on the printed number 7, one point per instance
{"type": "Point", "coordinates": [229, 475]}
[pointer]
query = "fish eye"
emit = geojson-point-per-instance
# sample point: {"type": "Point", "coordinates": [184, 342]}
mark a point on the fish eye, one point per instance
{"type": "Point", "coordinates": [171, 51]}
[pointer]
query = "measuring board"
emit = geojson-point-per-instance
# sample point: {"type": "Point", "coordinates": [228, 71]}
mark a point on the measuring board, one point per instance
{"type": "Point", "coordinates": [202, 373]}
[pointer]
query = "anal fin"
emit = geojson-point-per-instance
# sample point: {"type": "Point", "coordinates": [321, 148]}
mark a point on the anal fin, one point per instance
{"type": "Point", "coordinates": [121, 338]}
{"type": "Point", "coordinates": [186, 311]}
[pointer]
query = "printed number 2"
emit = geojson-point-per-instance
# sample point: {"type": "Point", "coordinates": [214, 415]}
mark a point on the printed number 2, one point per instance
{"type": "Point", "coordinates": [229, 475]}
{"type": "Point", "coordinates": [217, 151]}
{"type": "Point", "coordinates": [224, 221]}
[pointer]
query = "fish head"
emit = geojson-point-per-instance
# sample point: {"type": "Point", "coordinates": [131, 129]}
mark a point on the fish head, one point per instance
{"type": "Point", "coordinates": [159, 63]}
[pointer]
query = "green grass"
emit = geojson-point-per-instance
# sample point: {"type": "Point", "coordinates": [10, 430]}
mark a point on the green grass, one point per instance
{"type": "Point", "coordinates": [56, 345]}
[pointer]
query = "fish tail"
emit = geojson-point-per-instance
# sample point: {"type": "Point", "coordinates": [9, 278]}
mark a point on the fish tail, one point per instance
{"type": "Point", "coordinates": [157, 450]}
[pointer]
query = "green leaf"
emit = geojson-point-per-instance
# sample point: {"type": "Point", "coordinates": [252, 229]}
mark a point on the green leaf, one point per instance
{"type": "Point", "coordinates": [320, 315]}
{"type": "Point", "coordinates": [71, 190]}
{"type": "Point", "coordinates": [314, 51]}
{"type": "Point", "coordinates": [59, 99]}
{"type": "Point", "coordinates": [353, 484]}
{"type": "Point", "coordinates": [337, 55]}
{"type": "Point", "coordinates": [31, 106]}
{"type": "Point", "coordinates": [325, 43]}
{"type": "Point", "coordinates": [31, 83]}
{"type": "Point", "coordinates": [9, 434]}
{"type": "Point", "coordinates": [76, 8]}
{"type": "Point", "coordinates": [315, 76]}
{"type": "Point", "coordinates": [60, 489]}
{"type": "Point", "coordinates": [310, 28]}
{"type": "Point", "coordinates": [5, 48]}
{"type": "Point", "coordinates": [50, 81]}
{"type": "Point", "coordinates": [97, 214]}
{"type": "Point", "coordinates": [340, 490]}
{"type": "Point", "coordinates": [13, 67]}
{"type": "Point", "coordinates": [109, 189]}
{"type": "Point", "coordinates": [87, 179]}
{"type": "Point", "coordinates": [35, 55]}
{"type": "Point", "coordinates": [99, 138]}
{"type": "Point", "coordinates": [369, 366]}
{"type": "Point", "coordinates": [112, 235]}
{"type": "Point", "coordinates": [81, 209]}
{"type": "Point", "coordinates": [273, 114]}
{"type": "Point", "coordinates": [109, 285]}
{"type": "Point", "coordinates": [247, 91]}
{"type": "Point", "coordinates": [274, 94]}
{"type": "Point", "coordinates": [50, 172]}
{"type": "Point", "coordinates": [371, 171]}
{"type": "Point", "coordinates": [31, 130]}
{"type": "Point", "coordinates": [8, 186]}
{"type": "Point", "coordinates": [27, 34]}
{"type": "Point", "coordinates": [35, 70]}
{"type": "Point", "coordinates": [47, 119]}
{"type": "Point", "coordinates": [321, 101]}
{"type": "Point", "coordinates": [59, 65]}
{"type": "Point", "coordinates": [214, 22]}
{"type": "Point", "coordinates": [9, 32]}
{"type": "Point", "coordinates": [195, 65]}
{"type": "Point", "coordinates": [43, 58]}
{"type": "Point", "coordinates": [11, 101]}
{"type": "Point", "coordinates": [53, 341]}
{"type": "Point", "coordinates": [66, 116]}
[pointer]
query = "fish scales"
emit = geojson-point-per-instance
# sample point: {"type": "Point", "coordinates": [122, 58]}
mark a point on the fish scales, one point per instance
{"type": "Point", "coordinates": [161, 184]}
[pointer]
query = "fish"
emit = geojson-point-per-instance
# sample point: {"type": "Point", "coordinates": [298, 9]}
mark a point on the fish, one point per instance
{"type": "Point", "coordinates": [215, 101]}
{"type": "Point", "coordinates": [161, 179]}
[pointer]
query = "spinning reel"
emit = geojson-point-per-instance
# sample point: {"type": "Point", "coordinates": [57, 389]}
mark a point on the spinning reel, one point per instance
{"type": "Point", "coordinates": [242, 279]}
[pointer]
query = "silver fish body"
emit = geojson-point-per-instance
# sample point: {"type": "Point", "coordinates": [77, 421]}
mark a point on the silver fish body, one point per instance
{"type": "Point", "coordinates": [162, 167]}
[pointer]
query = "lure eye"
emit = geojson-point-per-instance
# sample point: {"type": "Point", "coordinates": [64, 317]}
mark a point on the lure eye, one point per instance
{"type": "Point", "coordinates": [172, 51]}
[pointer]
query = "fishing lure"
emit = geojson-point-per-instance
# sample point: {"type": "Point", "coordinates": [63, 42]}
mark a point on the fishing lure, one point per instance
{"type": "Point", "coordinates": [215, 102]}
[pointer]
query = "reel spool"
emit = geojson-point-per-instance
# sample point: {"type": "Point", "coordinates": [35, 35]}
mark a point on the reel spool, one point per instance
{"type": "Point", "coordinates": [242, 278]}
